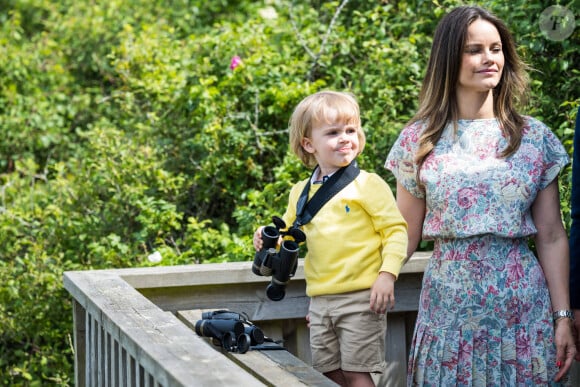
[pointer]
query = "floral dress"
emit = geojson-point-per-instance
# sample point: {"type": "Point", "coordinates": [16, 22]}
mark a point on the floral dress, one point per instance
{"type": "Point", "coordinates": [485, 317]}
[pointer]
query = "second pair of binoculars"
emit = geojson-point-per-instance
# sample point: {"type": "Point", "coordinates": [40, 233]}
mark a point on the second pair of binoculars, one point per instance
{"type": "Point", "coordinates": [230, 330]}
{"type": "Point", "coordinates": [280, 264]}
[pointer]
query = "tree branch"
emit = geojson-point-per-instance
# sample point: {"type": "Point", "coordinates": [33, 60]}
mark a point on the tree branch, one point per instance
{"type": "Point", "coordinates": [316, 57]}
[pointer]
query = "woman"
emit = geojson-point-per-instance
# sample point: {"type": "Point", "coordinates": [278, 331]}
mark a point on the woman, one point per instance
{"type": "Point", "coordinates": [480, 179]}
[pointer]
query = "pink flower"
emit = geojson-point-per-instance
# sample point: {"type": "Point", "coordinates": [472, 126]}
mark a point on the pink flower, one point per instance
{"type": "Point", "coordinates": [236, 61]}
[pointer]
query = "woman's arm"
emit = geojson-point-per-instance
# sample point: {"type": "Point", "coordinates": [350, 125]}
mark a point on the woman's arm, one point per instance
{"type": "Point", "coordinates": [552, 248]}
{"type": "Point", "coordinates": [413, 210]}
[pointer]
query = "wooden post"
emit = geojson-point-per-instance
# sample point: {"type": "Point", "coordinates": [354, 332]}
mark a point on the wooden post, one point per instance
{"type": "Point", "coordinates": [79, 339]}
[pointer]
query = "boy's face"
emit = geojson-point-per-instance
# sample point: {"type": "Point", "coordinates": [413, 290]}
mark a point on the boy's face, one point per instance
{"type": "Point", "coordinates": [334, 145]}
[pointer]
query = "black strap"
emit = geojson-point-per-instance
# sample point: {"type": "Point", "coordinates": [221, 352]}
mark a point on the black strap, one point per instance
{"type": "Point", "coordinates": [306, 209]}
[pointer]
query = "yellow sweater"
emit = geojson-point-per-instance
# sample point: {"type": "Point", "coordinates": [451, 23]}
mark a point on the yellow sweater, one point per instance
{"type": "Point", "coordinates": [355, 235]}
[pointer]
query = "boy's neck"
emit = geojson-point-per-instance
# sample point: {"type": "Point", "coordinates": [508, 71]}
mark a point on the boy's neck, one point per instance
{"type": "Point", "coordinates": [321, 174]}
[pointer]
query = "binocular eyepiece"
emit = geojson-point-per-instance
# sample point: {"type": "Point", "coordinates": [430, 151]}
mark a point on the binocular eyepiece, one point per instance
{"type": "Point", "coordinates": [280, 264]}
{"type": "Point", "coordinates": [230, 330]}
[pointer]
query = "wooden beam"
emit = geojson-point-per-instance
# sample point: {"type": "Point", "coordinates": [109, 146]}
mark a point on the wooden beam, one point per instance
{"type": "Point", "coordinates": [272, 367]}
{"type": "Point", "coordinates": [224, 273]}
{"type": "Point", "coordinates": [149, 338]}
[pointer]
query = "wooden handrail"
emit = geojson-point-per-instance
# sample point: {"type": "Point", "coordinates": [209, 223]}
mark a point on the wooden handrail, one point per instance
{"type": "Point", "coordinates": [127, 331]}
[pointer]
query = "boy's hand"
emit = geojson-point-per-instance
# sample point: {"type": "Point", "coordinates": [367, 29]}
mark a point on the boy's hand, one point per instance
{"type": "Point", "coordinates": [258, 238]}
{"type": "Point", "coordinates": [383, 293]}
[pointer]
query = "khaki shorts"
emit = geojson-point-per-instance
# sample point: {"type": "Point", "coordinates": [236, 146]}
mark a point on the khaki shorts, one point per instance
{"type": "Point", "coordinates": [345, 333]}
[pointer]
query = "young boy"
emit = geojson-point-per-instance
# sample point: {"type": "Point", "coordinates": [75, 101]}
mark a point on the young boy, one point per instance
{"type": "Point", "coordinates": [357, 242]}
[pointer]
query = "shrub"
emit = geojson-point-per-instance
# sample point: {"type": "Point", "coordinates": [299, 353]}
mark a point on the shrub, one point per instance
{"type": "Point", "coordinates": [125, 132]}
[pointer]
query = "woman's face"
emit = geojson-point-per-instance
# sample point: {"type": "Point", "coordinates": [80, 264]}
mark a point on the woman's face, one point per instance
{"type": "Point", "coordinates": [482, 60]}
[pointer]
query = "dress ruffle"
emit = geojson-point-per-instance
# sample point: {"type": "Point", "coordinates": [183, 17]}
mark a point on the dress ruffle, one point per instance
{"type": "Point", "coordinates": [478, 356]}
{"type": "Point", "coordinates": [484, 317]}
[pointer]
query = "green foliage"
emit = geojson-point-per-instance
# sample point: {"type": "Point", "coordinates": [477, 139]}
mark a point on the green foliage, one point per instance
{"type": "Point", "coordinates": [127, 137]}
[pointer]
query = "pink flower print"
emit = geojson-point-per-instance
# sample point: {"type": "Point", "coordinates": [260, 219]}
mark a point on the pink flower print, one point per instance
{"type": "Point", "coordinates": [492, 290]}
{"type": "Point", "coordinates": [436, 222]}
{"type": "Point", "coordinates": [466, 197]}
{"type": "Point", "coordinates": [465, 351]}
{"type": "Point", "coordinates": [453, 255]}
{"type": "Point", "coordinates": [516, 274]}
{"type": "Point", "coordinates": [523, 344]}
{"type": "Point", "coordinates": [526, 128]}
{"type": "Point", "coordinates": [513, 312]}
{"type": "Point", "coordinates": [472, 248]}
{"type": "Point", "coordinates": [450, 363]}
{"type": "Point", "coordinates": [236, 61]}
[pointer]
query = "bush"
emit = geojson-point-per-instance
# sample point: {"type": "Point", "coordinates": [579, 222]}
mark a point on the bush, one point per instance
{"type": "Point", "coordinates": [126, 132]}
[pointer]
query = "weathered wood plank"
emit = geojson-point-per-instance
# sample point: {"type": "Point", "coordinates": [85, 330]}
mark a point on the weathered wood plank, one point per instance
{"type": "Point", "coordinates": [155, 340]}
{"type": "Point", "coordinates": [395, 352]}
{"type": "Point", "coordinates": [224, 273]}
{"type": "Point", "coordinates": [79, 338]}
{"type": "Point", "coordinates": [247, 298]}
{"type": "Point", "coordinates": [574, 374]}
{"type": "Point", "coordinates": [273, 367]}
{"type": "Point", "coordinates": [303, 343]}
{"type": "Point", "coordinates": [250, 298]}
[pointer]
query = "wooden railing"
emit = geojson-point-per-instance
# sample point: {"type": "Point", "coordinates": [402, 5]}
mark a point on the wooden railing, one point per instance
{"type": "Point", "coordinates": [131, 326]}
{"type": "Point", "coordinates": [134, 327]}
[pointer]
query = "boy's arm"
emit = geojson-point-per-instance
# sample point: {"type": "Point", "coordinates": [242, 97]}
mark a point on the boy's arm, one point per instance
{"type": "Point", "coordinates": [391, 226]}
{"type": "Point", "coordinates": [389, 223]}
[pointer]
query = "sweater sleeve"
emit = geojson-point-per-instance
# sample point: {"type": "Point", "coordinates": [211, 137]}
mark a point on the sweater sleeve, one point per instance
{"type": "Point", "coordinates": [388, 223]}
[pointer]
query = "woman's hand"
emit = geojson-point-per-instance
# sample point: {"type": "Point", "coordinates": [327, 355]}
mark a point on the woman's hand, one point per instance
{"type": "Point", "coordinates": [565, 346]}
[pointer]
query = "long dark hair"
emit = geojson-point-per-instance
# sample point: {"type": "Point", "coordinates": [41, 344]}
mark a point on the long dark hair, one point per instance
{"type": "Point", "coordinates": [438, 98]}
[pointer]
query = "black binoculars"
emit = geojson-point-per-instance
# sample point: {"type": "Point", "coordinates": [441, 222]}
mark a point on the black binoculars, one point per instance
{"type": "Point", "coordinates": [230, 330]}
{"type": "Point", "coordinates": [281, 265]}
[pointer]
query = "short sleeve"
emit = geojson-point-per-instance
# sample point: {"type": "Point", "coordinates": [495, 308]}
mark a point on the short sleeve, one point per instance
{"type": "Point", "coordinates": [400, 159]}
{"type": "Point", "coordinates": [555, 156]}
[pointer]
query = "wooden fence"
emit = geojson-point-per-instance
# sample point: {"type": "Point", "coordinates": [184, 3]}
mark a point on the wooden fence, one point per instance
{"type": "Point", "coordinates": [135, 327]}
